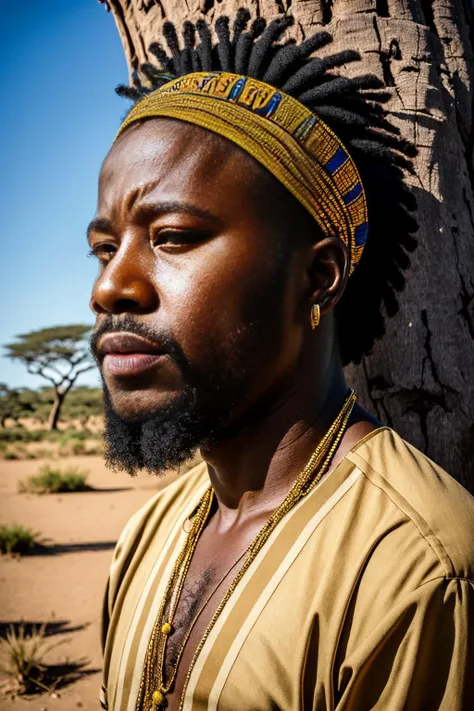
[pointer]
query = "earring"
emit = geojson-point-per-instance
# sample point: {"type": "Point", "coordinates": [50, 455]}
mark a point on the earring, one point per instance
{"type": "Point", "coordinates": [315, 316]}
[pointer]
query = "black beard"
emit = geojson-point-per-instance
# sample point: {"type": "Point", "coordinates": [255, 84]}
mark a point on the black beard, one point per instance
{"type": "Point", "coordinates": [166, 439]}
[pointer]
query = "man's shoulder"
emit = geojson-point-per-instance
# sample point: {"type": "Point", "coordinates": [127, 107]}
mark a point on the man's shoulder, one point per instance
{"type": "Point", "coordinates": [440, 508]}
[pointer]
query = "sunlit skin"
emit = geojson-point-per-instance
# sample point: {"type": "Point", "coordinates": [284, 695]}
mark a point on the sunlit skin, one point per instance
{"type": "Point", "coordinates": [188, 235]}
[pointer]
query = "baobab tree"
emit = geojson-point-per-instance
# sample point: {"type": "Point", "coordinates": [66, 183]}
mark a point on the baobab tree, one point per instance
{"type": "Point", "coordinates": [419, 378]}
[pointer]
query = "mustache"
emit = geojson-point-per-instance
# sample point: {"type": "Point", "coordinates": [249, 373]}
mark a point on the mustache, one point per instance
{"type": "Point", "coordinates": [118, 324]}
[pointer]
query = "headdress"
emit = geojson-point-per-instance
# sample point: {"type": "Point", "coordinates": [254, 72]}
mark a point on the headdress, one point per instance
{"type": "Point", "coordinates": [292, 142]}
{"type": "Point", "coordinates": [351, 107]}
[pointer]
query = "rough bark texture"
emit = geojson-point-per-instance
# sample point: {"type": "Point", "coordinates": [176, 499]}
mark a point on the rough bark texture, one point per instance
{"type": "Point", "coordinates": [420, 378]}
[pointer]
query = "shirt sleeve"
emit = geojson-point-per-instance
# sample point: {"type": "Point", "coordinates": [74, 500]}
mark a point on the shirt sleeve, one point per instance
{"type": "Point", "coordinates": [419, 657]}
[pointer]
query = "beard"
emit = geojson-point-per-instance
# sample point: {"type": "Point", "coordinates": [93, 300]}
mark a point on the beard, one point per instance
{"type": "Point", "coordinates": [166, 439]}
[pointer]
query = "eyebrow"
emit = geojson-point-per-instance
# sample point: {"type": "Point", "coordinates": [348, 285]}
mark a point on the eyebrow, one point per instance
{"type": "Point", "coordinates": [99, 224]}
{"type": "Point", "coordinates": [154, 209]}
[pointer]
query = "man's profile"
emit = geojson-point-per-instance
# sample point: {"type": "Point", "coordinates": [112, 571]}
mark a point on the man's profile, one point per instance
{"type": "Point", "coordinates": [252, 231]}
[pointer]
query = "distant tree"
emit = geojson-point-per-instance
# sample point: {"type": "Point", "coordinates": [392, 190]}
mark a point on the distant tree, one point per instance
{"type": "Point", "coordinates": [13, 404]}
{"type": "Point", "coordinates": [59, 354]}
{"type": "Point", "coordinates": [43, 400]}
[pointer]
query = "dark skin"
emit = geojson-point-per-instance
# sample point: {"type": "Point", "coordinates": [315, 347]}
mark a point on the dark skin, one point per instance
{"type": "Point", "coordinates": [190, 231]}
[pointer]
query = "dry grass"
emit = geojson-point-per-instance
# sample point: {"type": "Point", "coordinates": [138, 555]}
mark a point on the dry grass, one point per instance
{"type": "Point", "coordinates": [21, 659]}
{"type": "Point", "coordinates": [23, 666]}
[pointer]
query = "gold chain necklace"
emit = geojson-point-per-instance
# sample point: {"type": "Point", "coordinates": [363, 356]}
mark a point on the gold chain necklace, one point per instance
{"type": "Point", "coordinates": [169, 628]}
{"type": "Point", "coordinates": [153, 689]}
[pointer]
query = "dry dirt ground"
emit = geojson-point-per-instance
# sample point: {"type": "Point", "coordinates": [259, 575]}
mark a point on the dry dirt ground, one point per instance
{"type": "Point", "coordinates": [63, 586]}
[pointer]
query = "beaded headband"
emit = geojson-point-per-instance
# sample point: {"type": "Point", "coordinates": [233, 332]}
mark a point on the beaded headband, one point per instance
{"type": "Point", "coordinates": [296, 146]}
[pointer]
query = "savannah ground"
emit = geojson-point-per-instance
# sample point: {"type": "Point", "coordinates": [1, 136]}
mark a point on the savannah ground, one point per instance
{"type": "Point", "coordinates": [62, 585]}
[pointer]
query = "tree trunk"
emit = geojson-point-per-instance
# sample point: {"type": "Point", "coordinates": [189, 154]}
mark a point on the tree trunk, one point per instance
{"type": "Point", "coordinates": [53, 417]}
{"type": "Point", "coordinates": [419, 378]}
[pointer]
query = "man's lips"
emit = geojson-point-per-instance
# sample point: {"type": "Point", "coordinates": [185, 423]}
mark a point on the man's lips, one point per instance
{"type": "Point", "coordinates": [125, 354]}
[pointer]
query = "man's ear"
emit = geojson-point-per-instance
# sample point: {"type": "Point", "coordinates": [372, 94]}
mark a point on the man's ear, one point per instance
{"type": "Point", "coordinates": [328, 272]}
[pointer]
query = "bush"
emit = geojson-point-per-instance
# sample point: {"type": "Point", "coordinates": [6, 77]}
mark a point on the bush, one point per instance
{"type": "Point", "coordinates": [18, 452]}
{"type": "Point", "coordinates": [16, 539]}
{"type": "Point", "coordinates": [72, 448]}
{"type": "Point", "coordinates": [14, 435]}
{"type": "Point", "coordinates": [20, 434]}
{"type": "Point", "coordinates": [21, 658]}
{"type": "Point", "coordinates": [52, 480]}
{"type": "Point", "coordinates": [14, 453]}
{"type": "Point", "coordinates": [79, 435]}
{"type": "Point", "coordinates": [19, 443]}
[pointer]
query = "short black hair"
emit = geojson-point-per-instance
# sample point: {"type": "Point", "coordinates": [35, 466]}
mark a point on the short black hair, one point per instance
{"type": "Point", "coordinates": [353, 108]}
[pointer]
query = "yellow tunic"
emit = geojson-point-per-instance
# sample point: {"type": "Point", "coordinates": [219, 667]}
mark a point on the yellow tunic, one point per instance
{"type": "Point", "coordinates": [362, 598]}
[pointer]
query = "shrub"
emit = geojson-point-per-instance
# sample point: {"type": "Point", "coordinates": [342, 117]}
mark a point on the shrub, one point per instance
{"type": "Point", "coordinates": [14, 453]}
{"type": "Point", "coordinates": [19, 443]}
{"type": "Point", "coordinates": [21, 658]}
{"type": "Point", "coordinates": [18, 451]}
{"type": "Point", "coordinates": [72, 448]}
{"type": "Point", "coordinates": [79, 435]}
{"type": "Point", "coordinates": [20, 434]}
{"type": "Point", "coordinates": [38, 453]}
{"type": "Point", "coordinates": [16, 539]}
{"type": "Point", "coordinates": [52, 480]}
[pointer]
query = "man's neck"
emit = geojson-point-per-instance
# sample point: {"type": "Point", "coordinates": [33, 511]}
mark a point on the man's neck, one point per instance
{"type": "Point", "coordinates": [253, 469]}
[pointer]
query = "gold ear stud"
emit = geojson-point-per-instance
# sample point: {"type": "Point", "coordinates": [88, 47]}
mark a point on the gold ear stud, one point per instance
{"type": "Point", "coordinates": [315, 316]}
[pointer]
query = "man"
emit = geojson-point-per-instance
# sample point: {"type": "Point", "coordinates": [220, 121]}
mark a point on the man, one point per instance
{"type": "Point", "coordinates": [315, 560]}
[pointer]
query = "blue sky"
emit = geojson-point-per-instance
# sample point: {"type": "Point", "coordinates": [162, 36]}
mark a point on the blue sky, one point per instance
{"type": "Point", "coordinates": [60, 61]}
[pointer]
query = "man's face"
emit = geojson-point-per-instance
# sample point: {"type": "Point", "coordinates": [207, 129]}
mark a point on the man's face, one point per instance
{"type": "Point", "coordinates": [199, 296]}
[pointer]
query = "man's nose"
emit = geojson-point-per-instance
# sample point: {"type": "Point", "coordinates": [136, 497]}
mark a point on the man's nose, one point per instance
{"type": "Point", "coordinates": [125, 286]}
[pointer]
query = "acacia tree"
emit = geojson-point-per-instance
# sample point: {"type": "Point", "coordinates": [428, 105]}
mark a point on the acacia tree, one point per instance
{"type": "Point", "coordinates": [59, 354]}
{"type": "Point", "coordinates": [419, 377]}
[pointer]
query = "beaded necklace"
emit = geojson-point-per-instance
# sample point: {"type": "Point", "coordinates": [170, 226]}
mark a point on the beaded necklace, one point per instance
{"type": "Point", "coordinates": [153, 687]}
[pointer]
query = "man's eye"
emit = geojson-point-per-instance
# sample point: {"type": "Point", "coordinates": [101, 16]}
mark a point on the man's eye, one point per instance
{"type": "Point", "coordinates": [176, 238]}
{"type": "Point", "coordinates": [103, 252]}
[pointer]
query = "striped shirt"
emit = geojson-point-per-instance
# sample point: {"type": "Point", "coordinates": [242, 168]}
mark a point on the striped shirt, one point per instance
{"type": "Point", "coordinates": [362, 597]}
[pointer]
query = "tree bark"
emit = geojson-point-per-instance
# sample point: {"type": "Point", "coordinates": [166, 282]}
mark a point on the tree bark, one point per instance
{"type": "Point", "coordinates": [419, 377]}
{"type": "Point", "coordinates": [53, 417]}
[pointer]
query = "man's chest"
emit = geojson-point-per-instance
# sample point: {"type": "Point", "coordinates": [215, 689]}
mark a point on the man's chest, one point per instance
{"type": "Point", "coordinates": [204, 589]}
{"type": "Point", "coordinates": [249, 653]}
{"type": "Point", "coordinates": [216, 564]}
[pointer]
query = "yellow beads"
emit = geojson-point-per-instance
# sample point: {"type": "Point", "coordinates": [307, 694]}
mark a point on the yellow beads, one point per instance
{"type": "Point", "coordinates": [158, 699]}
{"type": "Point", "coordinates": [166, 629]}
